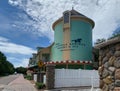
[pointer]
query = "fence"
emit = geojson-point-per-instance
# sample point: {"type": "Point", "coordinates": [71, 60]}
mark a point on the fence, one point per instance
{"type": "Point", "coordinates": [72, 78]}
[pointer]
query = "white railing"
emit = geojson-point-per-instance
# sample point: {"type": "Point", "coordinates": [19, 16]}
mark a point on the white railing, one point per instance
{"type": "Point", "coordinates": [35, 77]}
{"type": "Point", "coordinates": [73, 77]}
{"type": "Point", "coordinates": [44, 79]}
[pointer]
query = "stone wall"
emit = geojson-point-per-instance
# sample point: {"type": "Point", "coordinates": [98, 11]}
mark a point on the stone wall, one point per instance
{"type": "Point", "coordinates": [109, 65]}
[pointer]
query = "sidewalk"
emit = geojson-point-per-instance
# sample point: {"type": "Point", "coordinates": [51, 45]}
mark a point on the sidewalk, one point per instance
{"type": "Point", "coordinates": [20, 84]}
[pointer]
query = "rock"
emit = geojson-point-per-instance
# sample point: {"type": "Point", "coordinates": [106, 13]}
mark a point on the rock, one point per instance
{"type": "Point", "coordinates": [101, 84]}
{"type": "Point", "coordinates": [111, 73]}
{"type": "Point", "coordinates": [106, 50]}
{"type": "Point", "coordinates": [100, 58]}
{"type": "Point", "coordinates": [111, 86]}
{"type": "Point", "coordinates": [106, 65]}
{"type": "Point", "coordinates": [100, 69]}
{"type": "Point", "coordinates": [117, 47]}
{"type": "Point", "coordinates": [112, 49]}
{"type": "Point", "coordinates": [108, 80]}
{"type": "Point", "coordinates": [117, 89]}
{"type": "Point", "coordinates": [105, 59]}
{"type": "Point", "coordinates": [100, 63]}
{"type": "Point", "coordinates": [109, 54]}
{"type": "Point", "coordinates": [117, 74]}
{"type": "Point", "coordinates": [100, 52]}
{"type": "Point", "coordinates": [117, 83]}
{"type": "Point", "coordinates": [117, 62]}
{"type": "Point", "coordinates": [105, 88]}
{"type": "Point", "coordinates": [111, 60]}
{"type": "Point", "coordinates": [105, 73]}
{"type": "Point", "coordinates": [117, 54]}
{"type": "Point", "coordinates": [112, 69]}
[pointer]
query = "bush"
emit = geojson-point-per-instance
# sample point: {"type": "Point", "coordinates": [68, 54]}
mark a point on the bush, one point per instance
{"type": "Point", "coordinates": [40, 85]}
{"type": "Point", "coordinates": [28, 77]}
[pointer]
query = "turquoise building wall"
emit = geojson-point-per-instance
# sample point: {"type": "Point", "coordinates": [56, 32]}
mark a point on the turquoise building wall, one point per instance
{"type": "Point", "coordinates": [58, 38]}
{"type": "Point", "coordinates": [78, 30]}
{"type": "Point", "coordinates": [81, 30]}
{"type": "Point", "coordinates": [72, 38]}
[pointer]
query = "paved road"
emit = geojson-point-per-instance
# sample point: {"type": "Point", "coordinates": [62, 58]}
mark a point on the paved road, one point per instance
{"type": "Point", "coordinates": [20, 84]}
{"type": "Point", "coordinates": [6, 80]}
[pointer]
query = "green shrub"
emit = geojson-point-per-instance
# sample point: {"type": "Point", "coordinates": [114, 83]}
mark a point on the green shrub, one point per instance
{"type": "Point", "coordinates": [40, 85]}
{"type": "Point", "coordinates": [28, 77]}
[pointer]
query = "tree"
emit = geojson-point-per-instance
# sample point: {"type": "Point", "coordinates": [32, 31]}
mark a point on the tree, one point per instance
{"type": "Point", "coordinates": [10, 67]}
{"type": "Point", "coordinates": [115, 33]}
{"type": "Point", "coordinates": [98, 41]}
{"type": "Point", "coordinates": [21, 70]}
{"type": "Point", "coordinates": [5, 66]}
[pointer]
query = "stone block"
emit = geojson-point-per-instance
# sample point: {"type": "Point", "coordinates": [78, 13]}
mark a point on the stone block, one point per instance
{"type": "Point", "coordinates": [109, 54]}
{"type": "Point", "coordinates": [105, 59]}
{"type": "Point", "coordinates": [112, 69]}
{"type": "Point", "coordinates": [117, 47]}
{"type": "Point", "coordinates": [106, 65]}
{"type": "Point", "coordinates": [105, 73]}
{"type": "Point", "coordinates": [116, 89]}
{"type": "Point", "coordinates": [100, 63]}
{"type": "Point", "coordinates": [111, 60]}
{"type": "Point", "coordinates": [117, 62]}
{"type": "Point", "coordinates": [100, 69]}
{"type": "Point", "coordinates": [112, 49]}
{"type": "Point", "coordinates": [111, 86]}
{"type": "Point", "coordinates": [108, 80]}
{"type": "Point", "coordinates": [117, 54]}
{"type": "Point", "coordinates": [117, 74]}
{"type": "Point", "coordinates": [101, 84]}
{"type": "Point", "coordinates": [100, 58]}
{"type": "Point", "coordinates": [105, 88]}
{"type": "Point", "coordinates": [117, 83]}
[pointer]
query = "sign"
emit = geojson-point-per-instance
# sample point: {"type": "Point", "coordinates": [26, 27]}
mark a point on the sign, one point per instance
{"type": "Point", "coordinates": [72, 45]}
{"type": "Point", "coordinates": [40, 64]}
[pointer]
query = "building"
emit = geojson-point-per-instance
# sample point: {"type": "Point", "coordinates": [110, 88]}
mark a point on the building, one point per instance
{"type": "Point", "coordinates": [72, 47]}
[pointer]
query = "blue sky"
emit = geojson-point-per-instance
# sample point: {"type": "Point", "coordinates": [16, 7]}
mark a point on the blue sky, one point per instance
{"type": "Point", "coordinates": [27, 24]}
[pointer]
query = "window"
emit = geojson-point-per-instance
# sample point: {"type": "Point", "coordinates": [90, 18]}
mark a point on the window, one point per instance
{"type": "Point", "coordinates": [45, 57]}
{"type": "Point", "coordinates": [66, 17]}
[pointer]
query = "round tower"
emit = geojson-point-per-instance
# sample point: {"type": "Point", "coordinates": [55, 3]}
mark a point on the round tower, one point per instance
{"type": "Point", "coordinates": [73, 37]}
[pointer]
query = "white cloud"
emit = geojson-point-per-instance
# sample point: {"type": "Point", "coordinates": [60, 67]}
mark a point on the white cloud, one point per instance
{"type": "Point", "coordinates": [8, 47]}
{"type": "Point", "coordinates": [23, 63]}
{"type": "Point", "coordinates": [19, 62]}
{"type": "Point", "coordinates": [2, 39]}
{"type": "Point", "coordinates": [16, 54]}
{"type": "Point", "coordinates": [105, 13]}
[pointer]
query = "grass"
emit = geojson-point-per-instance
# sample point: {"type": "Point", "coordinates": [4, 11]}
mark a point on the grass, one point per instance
{"type": "Point", "coordinates": [28, 77]}
{"type": "Point", "coordinates": [39, 85]}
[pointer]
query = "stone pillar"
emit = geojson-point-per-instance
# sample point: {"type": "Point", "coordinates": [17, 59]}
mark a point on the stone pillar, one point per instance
{"type": "Point", "coordinates": [50, 76]}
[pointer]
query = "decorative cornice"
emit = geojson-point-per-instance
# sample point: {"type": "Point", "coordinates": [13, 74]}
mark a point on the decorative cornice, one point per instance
{"type": "Point", "coordinates": [69, 62]}
{"type": "Point", "coordinates": [75, 18]}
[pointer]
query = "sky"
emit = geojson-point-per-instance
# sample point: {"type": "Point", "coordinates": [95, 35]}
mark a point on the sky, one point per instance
{"type": "Point", "coordinates": [27, 24]}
